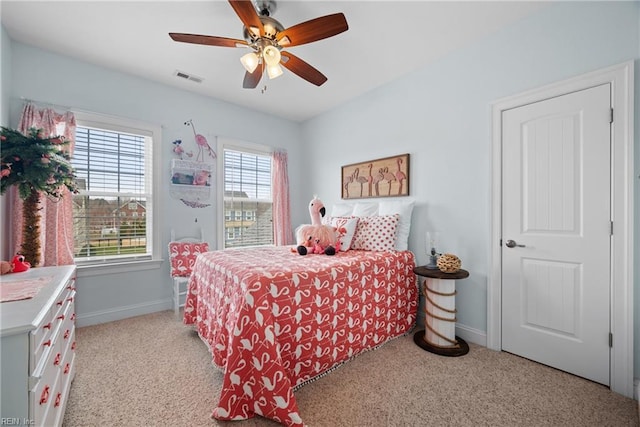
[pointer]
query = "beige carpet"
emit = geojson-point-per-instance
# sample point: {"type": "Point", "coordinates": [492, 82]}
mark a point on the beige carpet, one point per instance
{"type": "Point", "coordinates": [154, 371]}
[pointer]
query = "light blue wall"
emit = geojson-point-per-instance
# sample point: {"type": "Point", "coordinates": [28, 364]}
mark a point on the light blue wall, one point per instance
{"type": "Point", "coordinates": [5, 85]}
{"type": "Point", "coordinates": [5, 75]}
{"type": "Point", "coordinates": [441, 115]}
{"type": "Point", "coordinates": [47, 77]}
{"type": "Point", "coordinates": [636, 263]}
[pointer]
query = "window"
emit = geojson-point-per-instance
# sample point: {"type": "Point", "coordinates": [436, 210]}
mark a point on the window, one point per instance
{"type": "Point", "coordinates": [247, 197]}
{"type": "Point", "coordinates": [113, 211]}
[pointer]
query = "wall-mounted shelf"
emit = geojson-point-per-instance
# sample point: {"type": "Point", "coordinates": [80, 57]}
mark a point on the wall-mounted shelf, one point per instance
{"type": "Point", "coordinates": [191, 180]}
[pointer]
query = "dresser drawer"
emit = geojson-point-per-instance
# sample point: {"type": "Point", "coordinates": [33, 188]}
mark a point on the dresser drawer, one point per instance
{"type": "Point", "coordinates": [41, 338]}
{"type": "Point", "coordinates": [42, 396]}
{"type": "Point", "coordinates": [69, 358]}
{"type": "Point", "coordinates": [59, 318]}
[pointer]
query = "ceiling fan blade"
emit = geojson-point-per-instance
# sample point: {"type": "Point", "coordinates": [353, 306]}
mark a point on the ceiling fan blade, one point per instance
{"type": "Point", "coordinates": [207, 40]}
{"type": "Point", "coordinates": [247, 14]}
{"type": "Point", "coordinates": [251, 80]}
{"type": "Point", "coordinates": [313, 30]}
{"type": "Point", "coordinates": [302, 69]}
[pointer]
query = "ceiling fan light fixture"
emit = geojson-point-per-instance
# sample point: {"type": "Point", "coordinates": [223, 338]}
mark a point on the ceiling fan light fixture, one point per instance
{"type": "Point", "coordinates": [266, 37]}
{"type": "Point", "coordinates": [271, 55]}
{"type": "Point", "coordinates": [274, 70]}
{"type": "Point", "coordinates": [250, 61]}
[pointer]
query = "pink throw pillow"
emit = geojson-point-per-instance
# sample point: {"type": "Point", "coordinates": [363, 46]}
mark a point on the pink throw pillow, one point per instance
{"type": "Point", "coordinates": [345, 230]}
{"type": "Point", "coordinates": [376, 233]}
{"type": "Point", "coordinates": [183, 257]}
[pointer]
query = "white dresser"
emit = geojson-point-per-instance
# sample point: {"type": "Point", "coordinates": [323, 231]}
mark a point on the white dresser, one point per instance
{"type": "Point", "coordinates": [37, 349]}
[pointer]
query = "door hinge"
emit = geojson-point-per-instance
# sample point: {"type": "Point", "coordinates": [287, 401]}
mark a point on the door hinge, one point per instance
{"type": "Point", "coordinates": [610, 339]}
{"type": "Point", "coordinates": [611, 116]}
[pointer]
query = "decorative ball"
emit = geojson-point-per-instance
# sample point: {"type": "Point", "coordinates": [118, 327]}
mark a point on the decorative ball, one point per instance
{"type": "Point", "coordinates": [449, 263]}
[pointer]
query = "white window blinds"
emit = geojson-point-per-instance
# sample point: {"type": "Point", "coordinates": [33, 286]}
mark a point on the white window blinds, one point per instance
{"type": "Point", "coordinates": [112, 212]}
{"type": "Point", "coordinates": [247, 199]}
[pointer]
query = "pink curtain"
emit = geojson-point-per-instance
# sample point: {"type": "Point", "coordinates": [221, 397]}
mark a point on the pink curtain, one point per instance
{"type": "Point", "coordinates": [282, 232]}
{"type": "Point", "coordinates": [56, 223]}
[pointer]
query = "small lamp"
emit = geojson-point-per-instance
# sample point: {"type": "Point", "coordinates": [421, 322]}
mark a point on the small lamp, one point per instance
{"type": "Point", "coordinates": [432, 238]}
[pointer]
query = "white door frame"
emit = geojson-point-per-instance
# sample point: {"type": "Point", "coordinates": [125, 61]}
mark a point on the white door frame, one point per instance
{"type": "Point", "coordinates": [622, 181]}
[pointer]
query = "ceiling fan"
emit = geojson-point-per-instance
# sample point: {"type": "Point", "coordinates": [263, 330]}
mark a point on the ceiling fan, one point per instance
{"type": "Point", "coordinates": [266, 37]}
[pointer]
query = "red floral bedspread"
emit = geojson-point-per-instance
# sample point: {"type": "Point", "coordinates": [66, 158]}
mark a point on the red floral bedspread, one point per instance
{"type": "Point", "coordinates": [274, 320]}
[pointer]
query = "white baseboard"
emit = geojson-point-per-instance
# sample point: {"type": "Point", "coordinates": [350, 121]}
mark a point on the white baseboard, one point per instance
{"type": "Point", "coordinates": [119, 313]}
{"type": "Point", "coordinates": [470, 334]}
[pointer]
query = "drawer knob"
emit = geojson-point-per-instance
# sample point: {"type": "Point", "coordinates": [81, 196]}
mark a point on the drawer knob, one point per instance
{"type": "Point", "coordinates": [47, 343]}
{"type": "Point", "coordinates": [61, 317]}
{"type": "Point", "coordinates": [47, 326]}
{"type": "Point", "coordinates": [70, 299]}
{"type": "Point", "coordinates": [66, 334]}
{"type": "Point", "coordinates": [59, 302]}
{"type": "Point", "coordinates": [73, 346]}
{"type": "Point", "coordinates": [45, 395]}
{"type": "Point", "coordinates": [57, 360]}
{"type": "Point", "coordinates": [58, 399]}
{"type": "Point", "coordinates": [67, 368]}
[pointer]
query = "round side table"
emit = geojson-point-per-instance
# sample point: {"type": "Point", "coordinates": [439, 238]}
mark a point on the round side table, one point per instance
{"type": "Point", "coordinates": [439, 291]}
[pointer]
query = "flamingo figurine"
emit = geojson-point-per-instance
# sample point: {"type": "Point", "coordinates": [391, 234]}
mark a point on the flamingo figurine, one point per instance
{"type": "Point", "coordinates": [202, 143]}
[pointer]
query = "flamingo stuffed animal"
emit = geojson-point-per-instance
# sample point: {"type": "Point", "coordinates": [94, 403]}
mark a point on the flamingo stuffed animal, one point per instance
{"type": "Point", "coordinates": [316, 238]}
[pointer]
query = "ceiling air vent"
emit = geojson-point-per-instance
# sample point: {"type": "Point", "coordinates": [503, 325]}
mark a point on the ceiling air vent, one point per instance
{"type": "Point", "coordinates": [186, 76]}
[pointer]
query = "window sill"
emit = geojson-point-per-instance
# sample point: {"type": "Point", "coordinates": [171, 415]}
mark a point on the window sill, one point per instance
{"type": "Point", "coordinates": [115, 268]}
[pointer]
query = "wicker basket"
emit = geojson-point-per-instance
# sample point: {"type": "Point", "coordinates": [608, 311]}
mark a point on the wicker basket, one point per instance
{"type": "Point", "coordinates": [449, 263]}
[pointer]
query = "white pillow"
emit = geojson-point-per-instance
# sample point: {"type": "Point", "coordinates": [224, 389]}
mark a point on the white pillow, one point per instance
{"type": "Point", "coordinates": [404, 209]}
{"type": "Point", "coordinates": [342, 209]}
{"type": "Point", "coordinates": [376, 233]}
{"type": "Point", "coordinates": [346, 230]}
{"type": "Point", "coordinates": [365, 209]}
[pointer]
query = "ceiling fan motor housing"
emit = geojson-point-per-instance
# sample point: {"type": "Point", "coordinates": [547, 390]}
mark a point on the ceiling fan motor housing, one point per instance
{"type": "Point", "coordinates": [271, 29]}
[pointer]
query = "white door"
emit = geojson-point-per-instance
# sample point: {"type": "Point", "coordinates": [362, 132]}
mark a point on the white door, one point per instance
{"type": "Point", "coordinates": [556, 232]}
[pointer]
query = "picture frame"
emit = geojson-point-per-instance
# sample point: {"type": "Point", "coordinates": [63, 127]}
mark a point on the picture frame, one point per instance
{"type": "Point", "coordinates": [386, 177]}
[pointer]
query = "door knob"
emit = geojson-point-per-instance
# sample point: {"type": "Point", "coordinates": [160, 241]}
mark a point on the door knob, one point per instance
{"type": "Point", "coordinates": [513, 244]}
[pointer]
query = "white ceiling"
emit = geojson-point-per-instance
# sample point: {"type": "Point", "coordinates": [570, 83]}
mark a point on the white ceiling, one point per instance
{"type": "Point", "coordinates": [385, 40]}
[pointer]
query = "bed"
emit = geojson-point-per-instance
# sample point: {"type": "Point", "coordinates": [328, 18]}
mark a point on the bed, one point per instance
{"type": "Point", "coordinates": [274, 320]}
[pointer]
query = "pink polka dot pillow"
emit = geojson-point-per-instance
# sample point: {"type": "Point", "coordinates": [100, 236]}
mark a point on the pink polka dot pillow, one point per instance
{"type": "Point", "coordinates": [183, 257]}
{"type": "Point", "coordinates": [376, 233]}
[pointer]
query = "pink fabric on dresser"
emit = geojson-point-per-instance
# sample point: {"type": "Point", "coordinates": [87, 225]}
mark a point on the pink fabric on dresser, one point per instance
{"type": "Point", "coordinates": [16, 289]}
{"type": "Point", "coordinates": [275, 320]}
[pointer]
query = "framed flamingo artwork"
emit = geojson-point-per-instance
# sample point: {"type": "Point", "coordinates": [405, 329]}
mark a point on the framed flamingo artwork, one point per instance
{"type": "Point", "coordinates": [387, 177]}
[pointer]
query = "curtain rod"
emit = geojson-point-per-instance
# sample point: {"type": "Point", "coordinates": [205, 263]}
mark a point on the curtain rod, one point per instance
{"type": "Point", "coordinates": [45, 104]}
